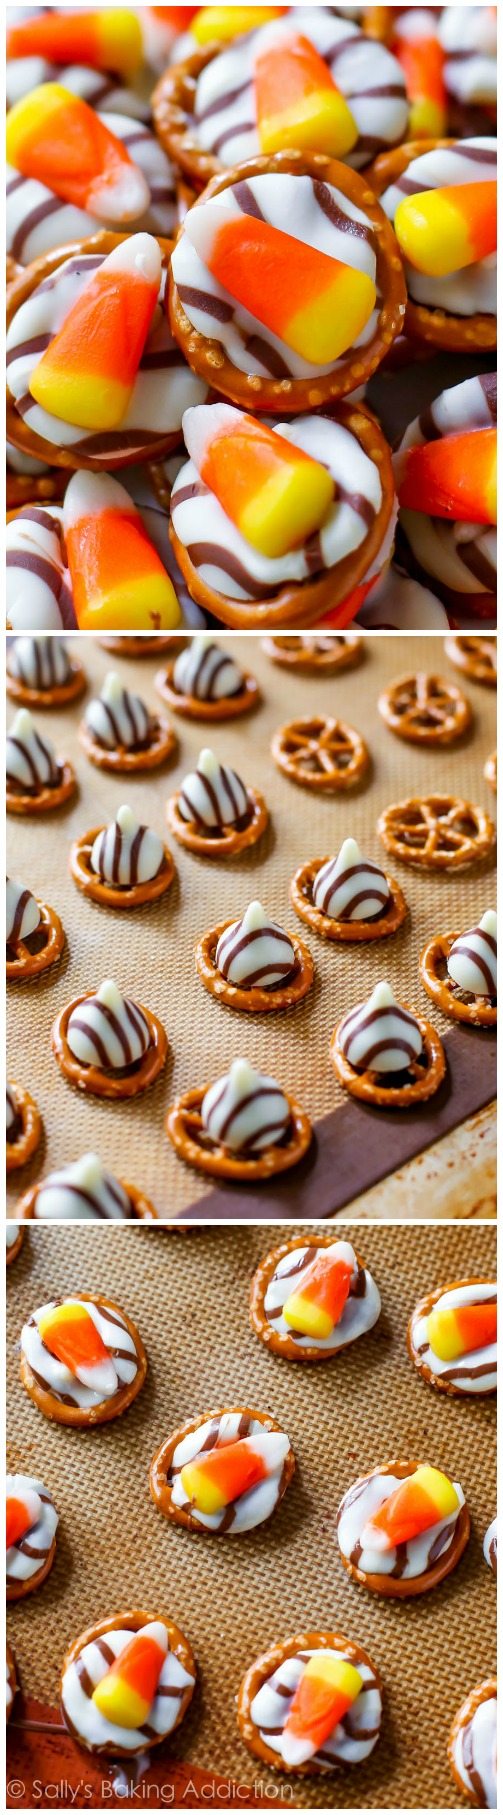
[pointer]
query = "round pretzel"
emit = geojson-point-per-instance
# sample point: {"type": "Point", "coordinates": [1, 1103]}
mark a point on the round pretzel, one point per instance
{"type": "Point", "coordinates": [435, 327]}
{"type": "Point", "coordinates": [476, 656]}
{"type": "Point", "coordinates": [189, 706]}
{"type": "Point", "coordinates": [29, 1136]}
{"type": "Point", "coordinates": [289, 395]}
{"type": "Point", "coordinates": [425, 709]}
{"type": "Point", "coordinates": [94, 1080]}
{"type": "Point", "coordinates": [478, 1011]}
{"type": "Point", "coordinates": [30, 957]}
{"type": "Point", "coordinates": [19, 433]}
{"type": "Point", "coordinates": [26, 1208]}
{"type": "Point", "coordinates": [160, 1485]}
{"type": "Point", "coordinates": [77, 1415]}
{"type": "Point", "coordinates": [146, 645]}
{"type": "Point", "coordinates": [47, 800]}
{"type": "Point", "coordinates": [110, 894]}
{"type": "Point", "coordinates": [161, 744]}
{"type": "Point", "coordinates": [132, 1620]}
{"type": "Point", "coordinates": [219, 841]}
{"type": "Point", "coordinates": [33, 488]}
{"type": "Point", "coordinates": [491, 771]}
{"type": "Point", "coordinates": [425, 1074]}
{"type": "Point", "coordinates": [484, 1692]}
{"type": "Point", "coordinates": [291, 652]}
{"type": "Point", "coordinates": [50, 698]}
{"type": "Point", "coordinates": [321, 753]}
{"type": "Point", "coordinates": [405, 1587]}
{"type": "Point", "coordinates": [344, 932]}
{"type": "Point", "coordinates": [254, 1001]}
{"type": "Point", "coordinates": [423, 1309]}
{"type": "Point", "coordinates": [436, 832]}
{"type": "Point", "coordinates": [265, 1666]}
{"type": "Point", "coordinates": [185, 1129]}
{"type": "Point", "coordinates": [266, 1328]}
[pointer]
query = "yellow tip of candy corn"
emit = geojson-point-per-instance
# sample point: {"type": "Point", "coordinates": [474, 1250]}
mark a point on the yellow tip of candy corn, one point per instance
{"type": "Point", "coordinates": [32, 113]}
{"type": "Point", "coordinates": [226, 22]}
{"type": "Point", "coordinates": [439, 1488]}
{"type": "Point", "coordinates": [426, 119]}
{"type": "Point", "coordinates": [119, 1703]}
{"type": "Point", "coordinates": [58, 1315]}
{"type": "Point", "coordinates": [323, 330]}
{"type": "Point", "coordinates": [203, 1492]}
{"type": "Point", "coordinates": [336, 1673]}
{"type": "Point", "coordinates": [134, 605]}
{"type": "Point", "coordinates": [290, 505]}
{"type": "Point", "coordinates": [444, 1335]}
{"type": "Point", "coordinates": [319, 122]}
{"type": "Point", "coordinates": [72, 397]}
{"type": "Point", "coordinates": [303, 1315]}
{"type": "Point", "coordinates": [433, 233]}
{"type": "Point", "coordinates": [121, 39]}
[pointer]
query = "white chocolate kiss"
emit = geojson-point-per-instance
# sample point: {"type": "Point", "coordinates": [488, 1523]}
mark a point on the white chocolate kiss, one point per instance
{"type": "Point", "coordinates": [20, 1566]}
{"type": "Point", "coordinates": [108, 1030]}
{"type": "Point", "coordinates": [472, 288]}
{"type": "Point", "coordinates": [88, 1720]}
{"type": "Point", "coordinates": [82, 1192]}
{"type": "Point", "coordinates": [40, 662]}
{"type": "Point", "coordinates": [212, 795]}
{"type": "Point", "coordinates": [257, 1504]}
{"type": "Point", "coordinates": [381, 1023]}
{"type": "Point", "coordinates": [474, 1372]}
{"type": "Point", "coordinates": [360, 1312]}
{"type": "Point", "coordinates": [87, 1386]}
{"type": "Point", "coordinates": [355, 1515]}
{"type": "Point", "coordinates": [349, 887]}
{"type": "Point", "coordinates": [118, 718]}
{"type": "Point", "coordinates": [31, 761]}
{"type": "Point", "coordinates": [347, 1743]}
{"type": "Point", "coordinates": [245, 1111]}
{"type": "Point", "coordinates": [125, 852]}
{"type": "Point", "coordinates": [30, 916]}
{"type": "Point", "coordinates": [472, 961]}
{"type": "Point", "coordinates": [204, 672]}
{"type": "Point", "coordinates": [478, 1738]}
{"type": "Point", "coordinates": [491, 1543]}
{"type": "Point", "coordinates": [254, 952]}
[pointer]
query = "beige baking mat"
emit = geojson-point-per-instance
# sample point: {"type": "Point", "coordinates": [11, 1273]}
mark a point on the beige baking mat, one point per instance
{"type": "Point", "coordinates": [236, 1596]}
{"type": "Point", "coordinates": [150, 953]}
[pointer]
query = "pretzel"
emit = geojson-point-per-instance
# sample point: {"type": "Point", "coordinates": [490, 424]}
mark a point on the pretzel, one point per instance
{"type": "Point", "coordinates": [50, 698]}
{"type": "Point", "coordinates": [265, 1666]}
{"type": "Point", "coordinates": [477, 656]}
{"type": "Point", "coordinates": [266, 1328]}
{"type": "Point", "coordinates": [491, 770]}
{"type": "Point", "coordinates": [437, 832]}
{"type": "Point", "coordinates": [291, 652]}
{"type": "Point", "coordinates": [484, 1692]}
{"type": "Point", "coordinates": [80, 1416]}
{"type": "Point", "coordinates": [344, 932]}
{"type": "Point", "coordinates": [441, 1381]}
{"type": "Point", "coordinates": [138, 894]}
{"type": "Point", "coordinates": [31, 488]}
{"type": "Point", "coordinates": [15, 1247]}
{"type": "Point", "coordinates": [185, 1129]}
{"type": "Point", "coordinates": [12, 1681]}
{"type": "Point", "coordinates": [435, 327]}
{"type": "Point", "coordinates": [18, 432]}
{"type": "Point", "coordinates": [232, 705]}
{"type": "Point", "coordinates": [161, 744]}
{"type": "Point", "coordinates": [221, 841]}
{"type": "Point", "coordinates": [321, 753]}
{"type": "Point", "coordinates": [133, 1619]}
{"type": "Point", "coordinates": [425, 709]}
{"type": "Point", "coordinates": [424, 1075]}
{"type": "Point", "coordinates": [289, 395]}
{"type": "Point", "coordinates": [96, 1081]}
{"type": "Point", "coordinates": [255, 1001]}
{"type": "Point", "coordinates": [398, 1587]}
{"type": "Point", "coordinates": [47, 800]}
{"type": "Point", "coordinates": [142, 645]}
{"type": "Point", "coordinates": [29, 957]}
{"type": "Point", "coordinates": [26, 1208]}
{"type": "Point", "coordinates": [159, 1484]}
{"type": "Point", "coordinates": [479, 1012]}
{"type": "Point", "coordinates": [28, 1137]}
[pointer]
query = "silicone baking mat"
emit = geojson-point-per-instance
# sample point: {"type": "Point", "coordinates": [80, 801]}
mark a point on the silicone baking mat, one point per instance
{"type": "Point", "coordinates": [151, 953]}
{"type": "Point", "coordinates": [236, 1596]}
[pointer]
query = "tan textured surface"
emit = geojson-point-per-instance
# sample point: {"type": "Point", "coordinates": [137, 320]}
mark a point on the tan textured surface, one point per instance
{"type": "Point", "coordinates": [235, 1596]}
{"type": "Point", "coordinates": [151, 953]}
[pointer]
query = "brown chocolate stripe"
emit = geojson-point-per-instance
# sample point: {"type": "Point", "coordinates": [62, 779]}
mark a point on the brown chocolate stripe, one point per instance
{"type": "Point", "coordinates": [367, 1142]}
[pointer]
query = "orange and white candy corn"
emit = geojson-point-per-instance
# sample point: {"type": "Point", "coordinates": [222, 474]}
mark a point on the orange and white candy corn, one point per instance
{"type": "Point", "coordinates": [118, 579]}
{"type": "Point", "coordinates": [462, 1329]}
{"type": "Point", "coordinates": [22, 1513]}
{"type": "Point", "coordinates": [422, 1500]}
{"type": "Point", "coordinates": [325, 1693]}
{"type": "Point", "coordinates": [297, 102]}
{"type": "Point", "coordinates": [223, 23]}
{"type": "Point", "coordinates": [219, 1476]}
{"type": "Point", "coordinates": [125, 1695]}
{"type": "Point", "coordinates": [87, 374]}
{"type": "Point", "coordinates": [444, 230]}
{"type": "Point", "coordinates": [317, 305]}
{"type": "Point", "coordinates": [454, 477]}
{"type": "Point", "coordinates": [109, 39]}
{"type": "Point", "coordinates": [274, 493]}
{"type": "Point", "coordinates": [317, 1304]}
{"type": "Point", "coordinates": [54, 136]}
{"type": "Point", "coordinates": [422, 59]}
{"type": "Point", "coordinates": [70, 1334]}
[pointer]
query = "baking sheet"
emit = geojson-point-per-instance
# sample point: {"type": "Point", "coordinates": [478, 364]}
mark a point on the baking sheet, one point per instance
{"type": "Point", "coordinates": [150, 953]}
{"type": "Point", "coordinates": [235, 1597]}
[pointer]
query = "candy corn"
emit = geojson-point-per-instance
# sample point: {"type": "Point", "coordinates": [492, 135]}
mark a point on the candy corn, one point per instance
{"type": "Point", "coordinates": [422, 60]}
{"type": "Point", "coordinates": [459, 1331]}
{"type": "Point", "coordinates": [69, 1333]}
{"type": "Point", "coordinates": [87, 373]}
{"type": "Point", "coordinates": [21, 1515]}
{"type": "Point", "coordinates": [454, 477]}
{"type": "Point", "coordinates": [118, 579]}
{"type": "Point", "coordinates": [318, 1303]}
{"type": "Point", "coordinates": [298, 104]}
{"type": "Point", "coordinates": [274, 493]}
{"type": "Point", "coordinates": [327, 1689]}
{"type": "Point", "coordinates": [125, 1695]}
{"type": "Point", "coordinates": [316, 304]}
{"type": "Point", "coordinates": [108, 40]}
{"type": "Point", "coordinates": [443, 230]}
{"type": "Point", "coordinates": [422, 1500]}
{"type": "Point", "coordinates": [221, 1475]}
{"type": "Point", "coordinates": [212, 23]}
{"type": "Point", "coordinates": [54, 136]}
